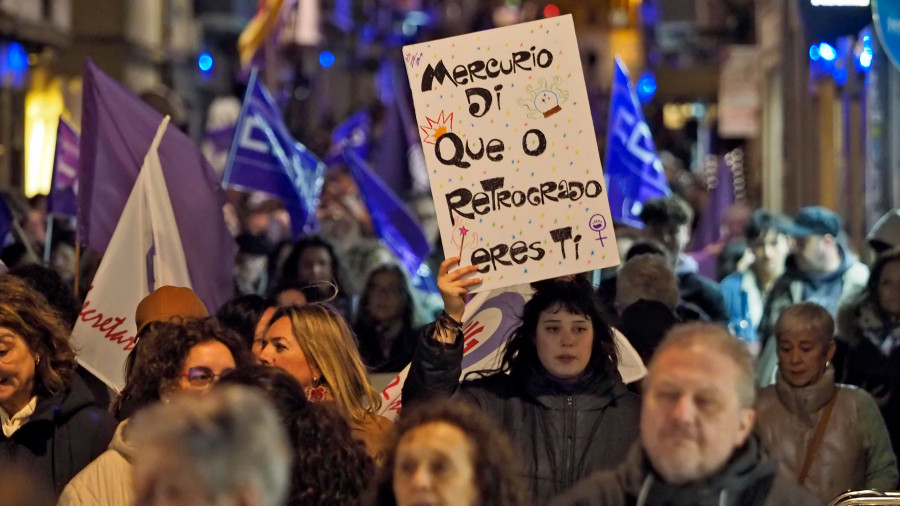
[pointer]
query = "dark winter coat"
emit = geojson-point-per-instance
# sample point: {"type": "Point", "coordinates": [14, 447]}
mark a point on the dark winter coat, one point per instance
{"type": "Point", "coordinates": [400, 354]}
{"type": "Point", "coordinates": [873, 358]}
{"type": "Point", "coordinates": [700, 297]}
{"type": "Point", "coordinates": [748, 479]}
{"type": "Point", "coordinates": [64, 435]}
{"type": "Point", "coordinates": [561, 432]}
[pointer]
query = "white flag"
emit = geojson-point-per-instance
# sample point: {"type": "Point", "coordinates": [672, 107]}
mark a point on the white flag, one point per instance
{"type": "Point", "coordinates": [145, 235]}
{"type": "Point", "coordinates": [488, 320]}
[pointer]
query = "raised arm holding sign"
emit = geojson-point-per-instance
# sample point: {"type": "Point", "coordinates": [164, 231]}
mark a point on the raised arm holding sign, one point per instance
{"type": "Point", "coordinates": [518, 190]}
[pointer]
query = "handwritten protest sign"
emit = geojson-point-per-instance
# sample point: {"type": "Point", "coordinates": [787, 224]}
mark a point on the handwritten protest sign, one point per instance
{"type": "Point", "coordinates": [510, 147]}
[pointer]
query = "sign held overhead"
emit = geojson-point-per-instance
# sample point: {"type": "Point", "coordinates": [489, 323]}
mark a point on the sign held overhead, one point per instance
{"type": "Point", "coordinates": [511, 152]}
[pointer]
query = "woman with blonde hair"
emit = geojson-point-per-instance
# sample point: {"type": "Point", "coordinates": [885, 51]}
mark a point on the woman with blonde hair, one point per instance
{"type": "Point", "coordinates": [314, 344]}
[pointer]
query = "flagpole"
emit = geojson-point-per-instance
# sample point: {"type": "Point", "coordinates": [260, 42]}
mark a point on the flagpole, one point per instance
{"type": "Point", "coordinates": [22, 237]}
{"type": "Point", "coordinates": [271, 53]}
{"type": "Point", "coordinates": [239, 127]}
{"type": "Point", "coordinates": [48, 240]}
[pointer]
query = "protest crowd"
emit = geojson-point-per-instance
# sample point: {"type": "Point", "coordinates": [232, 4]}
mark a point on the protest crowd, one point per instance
{"type": "Point", "coordinates": [283, 327]}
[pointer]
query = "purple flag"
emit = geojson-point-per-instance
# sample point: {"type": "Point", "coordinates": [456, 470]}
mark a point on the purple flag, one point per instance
{"type": "Point", "coordinates": [220, 138]}
{"type": "Point", "coordinates": [354, 133]}
{"type": "Point", "coordinates": [264, 157]}
{"type": "Point", "coordinates": [64, 183]}
{"type": "Point", "coordinates": [633, 171]}
{"type": "Point", "coordinates": [721, 197]}
{"type": "Point", "coordinates": [117, 129]}
{"type": "Point", "coordinates": [709, 226]}
{"type": "Point", "coordinates": [6, 222]}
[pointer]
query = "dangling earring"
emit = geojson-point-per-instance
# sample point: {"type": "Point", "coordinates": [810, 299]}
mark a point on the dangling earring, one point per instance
{"type": "Point", "coordinates": [318, 391]}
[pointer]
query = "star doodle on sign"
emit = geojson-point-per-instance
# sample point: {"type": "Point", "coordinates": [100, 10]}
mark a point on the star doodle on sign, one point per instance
{"type": "Point", "coordinates": [463, 231]}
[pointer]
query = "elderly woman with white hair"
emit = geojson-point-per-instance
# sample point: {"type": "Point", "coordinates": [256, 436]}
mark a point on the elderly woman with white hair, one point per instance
{"type": "Point", "coordinates": [831, 437]}
{"type": "Point", "coordinates": [227, 447]}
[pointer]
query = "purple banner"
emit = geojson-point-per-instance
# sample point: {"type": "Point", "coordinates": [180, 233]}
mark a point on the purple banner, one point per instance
{"type": "Point", "coordinates": [117, 129]}
{"type": "Point", "coordinates": [62, 199]}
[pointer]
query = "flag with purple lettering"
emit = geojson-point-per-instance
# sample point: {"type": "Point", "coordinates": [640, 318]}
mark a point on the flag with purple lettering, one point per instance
{"type": "Point", "coordinates": [64, 183]}
{"type": "Point", "coordinates": [143, 254]}
{"type": "Point", "coordinates": [117, 128]}
{"type": "Point", "coordinates": [264, 157]}
{"type": "Point", "coordinates": [393, 223]}
{"type": "Point", "coordinates": [634, 173]}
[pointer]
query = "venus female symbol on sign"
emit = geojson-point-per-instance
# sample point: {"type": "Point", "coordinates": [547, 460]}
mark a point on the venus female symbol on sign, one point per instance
{"type": "Point", "coordinates": [598, 224]}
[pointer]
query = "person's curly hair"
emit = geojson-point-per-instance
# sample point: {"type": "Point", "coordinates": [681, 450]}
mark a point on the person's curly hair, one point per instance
{"type": "Point", "coordinates": [27, 313]}
{"type": "Point", "coordinates": [330, 467]}
{"type": "Point", "coordinates": [495, 468]}
{"type": "Point", "coordinates": [159, 355]}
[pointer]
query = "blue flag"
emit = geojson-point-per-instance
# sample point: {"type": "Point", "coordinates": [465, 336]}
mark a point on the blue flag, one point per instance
{"type": "Point", "coordinates": [264, 157]}
{"type": "Point", "coordinates": [393, 223]}
{"type": "Point", "coordinates": [354, 133]}
{"type": "Point", "coordinates": [6, 222]}
{"type": "Point", "coordinates": [633, 171]}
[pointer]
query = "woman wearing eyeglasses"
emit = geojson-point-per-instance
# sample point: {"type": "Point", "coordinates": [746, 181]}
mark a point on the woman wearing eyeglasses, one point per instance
{"type": "Point", "coordinates": [190, 355]}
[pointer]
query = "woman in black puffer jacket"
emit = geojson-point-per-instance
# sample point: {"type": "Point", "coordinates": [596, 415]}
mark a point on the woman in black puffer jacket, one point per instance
{"type": "Point", "coordinates": [557, 391]}
{"type": "Point", "coordinates": [49, 424]}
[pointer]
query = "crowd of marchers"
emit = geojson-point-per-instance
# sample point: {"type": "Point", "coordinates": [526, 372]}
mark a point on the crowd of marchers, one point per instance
{"type": "Point", "coordinates": [772, 377]}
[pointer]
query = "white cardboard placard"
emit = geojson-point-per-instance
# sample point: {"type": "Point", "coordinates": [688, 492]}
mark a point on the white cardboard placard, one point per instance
{"type": "Point", "coordinates": [506, 127]}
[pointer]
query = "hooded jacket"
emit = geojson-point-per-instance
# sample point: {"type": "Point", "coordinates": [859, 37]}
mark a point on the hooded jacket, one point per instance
{"type": "Point", "coordinates": [855, 452]}
{"type": "Point", "coordinates": [106, 481]}
{"type": "Point", "coordinates": [842, 285]}
{"type": "Point", "coordinates": [63, 435]}
{"type": "Point", "coordinates": [886, 230]}
{"type": "Point", "coordinates": [748, 479]}
{"type": "Point", "coordinates": [561, 432]}
{"type": "Point", "coordinates": [700, 290]}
